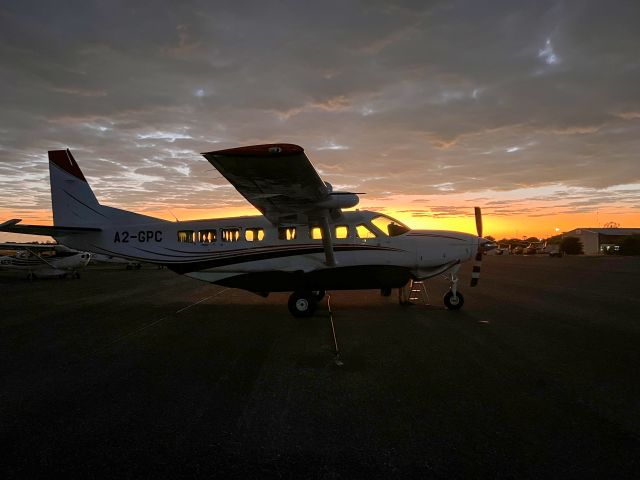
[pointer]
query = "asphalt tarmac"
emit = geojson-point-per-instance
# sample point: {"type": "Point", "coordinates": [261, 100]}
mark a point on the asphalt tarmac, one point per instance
{"type": "Point", "coordinates": [145, 373]}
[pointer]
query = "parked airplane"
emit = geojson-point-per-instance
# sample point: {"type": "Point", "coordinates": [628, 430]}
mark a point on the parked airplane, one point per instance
{"type": "Point", "coordinates": [303, 243]}
{"type": "Point", "coordinates": [44, 260]}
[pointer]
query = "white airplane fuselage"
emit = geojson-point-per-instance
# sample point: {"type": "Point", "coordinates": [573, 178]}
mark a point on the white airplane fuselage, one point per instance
{"type": "Point", "coordinates": [251, 253]}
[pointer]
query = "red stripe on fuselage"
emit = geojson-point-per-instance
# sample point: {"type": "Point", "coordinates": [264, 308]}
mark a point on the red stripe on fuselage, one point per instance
{"type": "Point", "coordinates": [435, 235]}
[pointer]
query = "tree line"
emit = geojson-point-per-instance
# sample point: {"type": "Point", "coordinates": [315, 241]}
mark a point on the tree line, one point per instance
{"type": "Point", "coordinates": [572, 245]}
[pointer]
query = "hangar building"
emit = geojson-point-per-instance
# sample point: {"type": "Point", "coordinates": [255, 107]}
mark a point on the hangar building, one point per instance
{"type": "Point", "coordinates": [601, 240]}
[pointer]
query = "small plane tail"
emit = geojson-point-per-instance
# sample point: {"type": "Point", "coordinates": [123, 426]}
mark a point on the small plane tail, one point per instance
{"type": "Point", "coordinates": [73, 202]}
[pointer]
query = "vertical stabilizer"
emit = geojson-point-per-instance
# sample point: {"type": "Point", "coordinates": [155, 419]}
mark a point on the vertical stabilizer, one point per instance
{"type": "Point", "coordinates": [74, 203]}
{"type": "Point", "coordinates": [72, 200]}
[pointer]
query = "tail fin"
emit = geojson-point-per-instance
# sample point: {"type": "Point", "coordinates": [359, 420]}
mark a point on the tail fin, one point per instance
{"type": "Point", "coordinates": [73, 202]}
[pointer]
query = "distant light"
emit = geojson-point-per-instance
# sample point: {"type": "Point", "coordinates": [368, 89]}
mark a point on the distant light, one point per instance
{"type": "Point", "coordinates": [557, 229]}
{"type": "Point", "coordinates": [199, 93]}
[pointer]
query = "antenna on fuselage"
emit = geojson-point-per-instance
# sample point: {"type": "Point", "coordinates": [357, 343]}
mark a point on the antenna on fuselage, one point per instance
{"type": "Point", "coordinates": [173, 215]}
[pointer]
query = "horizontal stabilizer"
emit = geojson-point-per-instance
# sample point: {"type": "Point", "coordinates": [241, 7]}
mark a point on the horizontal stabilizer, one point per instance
{"type": "Point", "coordinates": [14, 226]}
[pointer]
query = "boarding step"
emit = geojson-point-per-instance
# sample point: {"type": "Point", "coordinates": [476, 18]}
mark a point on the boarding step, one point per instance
{"type": "Point", "coordinates": [418, 292]}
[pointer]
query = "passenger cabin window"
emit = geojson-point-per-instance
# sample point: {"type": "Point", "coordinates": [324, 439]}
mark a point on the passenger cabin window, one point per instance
{"type": "Point", "coordinates": [315, 233]}
{"type": "Point", "coordinates": [389, 226]}
{"type": "Point", "coordinates": [230, 234]}
{"type": "Point", "coordinates": [187, 236]}
{"type": "Point", "coordinates": [254, 234]}
{"type": "Point", "coordinates": [207, 236]}
{"type": "Point", "coordinates": [362, 231]}
{"type": "Point", "coordinates": [342, 231]}
{"type": "Point", "coordinates": [286, 233]}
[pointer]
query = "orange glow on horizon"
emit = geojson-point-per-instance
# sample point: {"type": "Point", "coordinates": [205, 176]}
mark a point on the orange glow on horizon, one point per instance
{"type": "Point", "coordinates": [514, 226]}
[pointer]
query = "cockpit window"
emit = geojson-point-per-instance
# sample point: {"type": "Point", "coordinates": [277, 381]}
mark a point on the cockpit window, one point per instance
{"type": "Point", "coordinates": [390, 226]}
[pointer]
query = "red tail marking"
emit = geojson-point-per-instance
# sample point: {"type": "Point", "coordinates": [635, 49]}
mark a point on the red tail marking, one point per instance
{"type": "Point", "coordinates": [64, 160]}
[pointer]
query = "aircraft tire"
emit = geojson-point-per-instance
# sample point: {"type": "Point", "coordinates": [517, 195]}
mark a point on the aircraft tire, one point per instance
{"type": "Point", "coordinates": [452, 304]}
{"type": "Point", "coordinates": [302, 304]}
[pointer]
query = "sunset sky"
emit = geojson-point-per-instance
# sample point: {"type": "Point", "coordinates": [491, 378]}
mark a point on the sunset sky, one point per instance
{"type": "Point", "coordinates": [530, 110]}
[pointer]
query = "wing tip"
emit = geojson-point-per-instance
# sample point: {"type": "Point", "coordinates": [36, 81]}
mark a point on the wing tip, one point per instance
{"type": "Point", "coordinates": [266, 150]}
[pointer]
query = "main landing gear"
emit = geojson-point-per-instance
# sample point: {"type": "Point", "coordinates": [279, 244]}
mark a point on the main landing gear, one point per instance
{"type": "Point", "coordinates": [453, 299]}
{"type": "Point", "coordinates": [303, 303]}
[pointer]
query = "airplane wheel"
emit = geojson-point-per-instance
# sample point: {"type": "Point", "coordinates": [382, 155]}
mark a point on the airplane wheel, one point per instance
{"type": "Point", "coordinates": [453, 303]}
{"type": "Point", "coordinates": [302, 304]}
{"type": "Point", "coordinates": [31, 276]}
{"type": "Point", "coordinates": [76, 275]}
{"type": "Point", "coordinates": [385, 292]}
{"type": "Point", "coordinates": [319, 294]}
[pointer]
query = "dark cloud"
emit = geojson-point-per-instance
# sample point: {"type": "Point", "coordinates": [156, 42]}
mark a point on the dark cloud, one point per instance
{"type": "Point", "coordinates": [390, 98]}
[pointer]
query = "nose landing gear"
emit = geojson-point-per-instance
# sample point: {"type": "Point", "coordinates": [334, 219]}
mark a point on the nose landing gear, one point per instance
{"type": "Point", "coordinates": [453, 302]}
{"type": "Point", "coordinates": [453, 299]}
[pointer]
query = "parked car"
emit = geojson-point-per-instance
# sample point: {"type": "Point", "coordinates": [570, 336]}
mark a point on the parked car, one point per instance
{"type": "Point", "coordinates": [553, 250]}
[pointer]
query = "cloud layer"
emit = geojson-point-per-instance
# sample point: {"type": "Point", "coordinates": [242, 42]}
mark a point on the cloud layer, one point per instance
{"type": "Point", "coordinates": [391, 98]}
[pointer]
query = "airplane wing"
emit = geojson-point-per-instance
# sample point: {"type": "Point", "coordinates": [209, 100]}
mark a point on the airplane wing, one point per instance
{"type": "Point", "coordinates": [279, 180]}
{"type": "Point", "coordinates": [28, 246]}
{"type": "Point", "coordinates": [53, 231]}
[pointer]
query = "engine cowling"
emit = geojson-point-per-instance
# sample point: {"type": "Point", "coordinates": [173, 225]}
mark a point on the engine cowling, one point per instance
{"type": "Point", "coordinates": [339, 200]}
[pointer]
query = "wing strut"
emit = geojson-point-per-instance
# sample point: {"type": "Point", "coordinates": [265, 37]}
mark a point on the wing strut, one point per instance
{"type": "Point", "coordinates": [41, 258]}
{"type": "Point", "coordinates": [327, 242]}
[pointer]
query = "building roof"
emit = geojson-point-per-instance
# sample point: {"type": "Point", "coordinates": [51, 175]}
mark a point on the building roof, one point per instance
{"type": "Point", "coordinates": [608, 231]}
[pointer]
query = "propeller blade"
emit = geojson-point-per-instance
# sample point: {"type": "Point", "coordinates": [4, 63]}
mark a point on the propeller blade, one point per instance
{"type": "Point", "coordinates": [477, 264]}
{"type": "Point", "coordinates": [478, 213]}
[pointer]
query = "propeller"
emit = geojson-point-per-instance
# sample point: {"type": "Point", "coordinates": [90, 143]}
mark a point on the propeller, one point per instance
{"type": "Point", "coordinates": [477, 264]}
